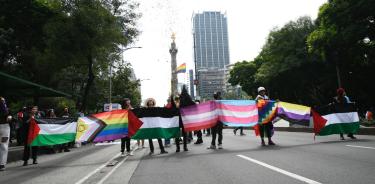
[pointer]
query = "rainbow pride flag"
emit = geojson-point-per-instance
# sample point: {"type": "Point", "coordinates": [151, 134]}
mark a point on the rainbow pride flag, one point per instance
{"type": "Point", "coordinates": [181, 68]}
{"type": "Point", "coordinates": [116, 125]}
{"type": "Point", "coordinates": [237, 113]}
{"type": "Point", "coordinates": [267, 111]}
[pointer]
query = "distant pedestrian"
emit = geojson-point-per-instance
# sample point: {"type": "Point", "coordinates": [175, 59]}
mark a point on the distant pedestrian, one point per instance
{"type": "Point", "coordinates": [342, 98]}
{"type": "Point", "coordinates": [4, 133]}
{"type": "Point", "coordinates": [217, 130]}
{"type": "Point", "coordinates": [268, 127]}
{"type": "Point", "coordinates": [238, 128]}
{"type": "Point", "coordinates": [198, 132]}
{"type": "Point", "coordinates": [65, 147]}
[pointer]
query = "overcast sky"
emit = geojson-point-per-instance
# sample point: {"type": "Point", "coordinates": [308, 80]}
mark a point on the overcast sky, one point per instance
{"type": "Point", "coordinates": [249, 22]}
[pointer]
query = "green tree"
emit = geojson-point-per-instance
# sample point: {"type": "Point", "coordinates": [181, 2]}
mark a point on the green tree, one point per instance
{"type": "Point", "coordinates": [345, 38]}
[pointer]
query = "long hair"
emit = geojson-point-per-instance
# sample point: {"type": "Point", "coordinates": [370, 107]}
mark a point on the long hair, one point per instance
{"type": "Point", "coordinates": [185, 98]}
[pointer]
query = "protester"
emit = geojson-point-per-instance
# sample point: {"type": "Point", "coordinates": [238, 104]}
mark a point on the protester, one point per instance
{"type": "Point", "coordinates": [183, 101]}
{"type": "Point", "coordinates": [167, 142]}
{"type": "Point", "coordinates": [21, 113]}
{"type": "Point", "coordinates": [199, 132]}
{"type": "Point", "coordinates": [126, 140]}
{"type": "Point", "coordinates": [238, 128]}
{"type": "Point", "coordinates": [65, 147]}
{"type": "Point", "coordinates": [33, 113]}
{"type": "Point", "coordinates": [149, 104]}
{"type": "Point", "coordinates": [268, 127]}
{"type": "Point", "coordinates": [217, 129]}
{"type": "Point", "coordinates": [4, 133]}
{"type": "Point", "coordinates": [341, 98]}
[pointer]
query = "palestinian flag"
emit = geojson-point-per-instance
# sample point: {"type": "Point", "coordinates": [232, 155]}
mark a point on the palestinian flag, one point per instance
{"type": "Point", "coordinates": [336, 119]}
{"type": "Point", "coordinates": [157, 122]}
{"type": "Point", "coordinates": [51, 131]}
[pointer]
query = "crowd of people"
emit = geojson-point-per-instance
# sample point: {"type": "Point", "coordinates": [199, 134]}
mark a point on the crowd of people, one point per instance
{"type": "Point", "coordinates": [16, 127]}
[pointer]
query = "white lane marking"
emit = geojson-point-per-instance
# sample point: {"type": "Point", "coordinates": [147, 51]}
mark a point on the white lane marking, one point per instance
{"type": "Point", "coordinates": [295, 176]}
{"type": "Point", "coordinates": [113, 170]}
{"type": "Point", "coordinates": [360, 147]}
{"type": "Point", "coordinates": [96, 170]}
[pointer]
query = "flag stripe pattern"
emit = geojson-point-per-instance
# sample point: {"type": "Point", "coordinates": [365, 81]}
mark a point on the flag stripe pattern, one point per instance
{"type": "Point", "coordinates": [87, 128]}
{"type": "Point", "coordinates": [181, 68]}
{"type": "Point", "coordinates": [116, 125]}
{"type": "Point", "coordinates": [267, 111]}
{"type": "Point", "coordinates": [157, 122]}
{"type": "Point", "coordinates": [339, 118]}
{"type": "Point", "coordinates": [295, 114]}
{"type": "Point", "coordinates": [52, 131]}
{"type": "Point", "coordinates": [240, 113]}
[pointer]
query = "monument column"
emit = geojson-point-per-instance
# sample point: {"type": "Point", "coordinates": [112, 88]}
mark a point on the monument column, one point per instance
{"type": "Point", "coordinates": [173, 51]}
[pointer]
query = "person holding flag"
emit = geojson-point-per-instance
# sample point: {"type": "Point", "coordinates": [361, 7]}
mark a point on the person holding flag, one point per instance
{"type": "Point", "coordinates": [268, 127]}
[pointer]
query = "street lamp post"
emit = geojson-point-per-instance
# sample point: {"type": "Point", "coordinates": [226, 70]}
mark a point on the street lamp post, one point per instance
{"type": "Point", "coordinates": [110, 76]}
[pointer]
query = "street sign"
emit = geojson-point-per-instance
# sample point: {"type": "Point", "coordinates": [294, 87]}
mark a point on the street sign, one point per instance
{"type": "Point", "coordinates": [115, 106]}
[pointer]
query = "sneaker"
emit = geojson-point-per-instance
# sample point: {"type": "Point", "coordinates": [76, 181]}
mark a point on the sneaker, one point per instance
{"type": "Point", "coordinates": [220, 146]}
{"type": "Point", "coordinates": [352, 137]}
{"type": "Point", "coordinates": [242, 134]}
{"type": "Point", "coordinates": [151, 153]}
{"type": "Point", "coordinates": [163, 152]}
{"type": "Point", "coordinates": [186, 149]}
{"type": "Point", "coordinates": [234, 131]}
{"type": "Point", "coordinates": [123, 154]}
{"type": "Point", "coordinates": [199, 142]}
{"type": "Point", "coordinates": [66, 150]}
{"type": "Point", "coordinates": [35, 162]}
{"type": "Point", "coordinates": [271, 143]}
{"type": "Point", "coordinates": [263, 143]}
{"type": "Point", "coordinates": [129, 153]}
{"type": "Point", "coordinates": [24, 163]}
{"type": "Point", "coordinates": [2, 168]}
{"type": "Point", "coordinates": [211, 147]}
{"type": "Point", "coordinates": [177, 150]}
{"type": "Point", "coordinates": [342, 138]}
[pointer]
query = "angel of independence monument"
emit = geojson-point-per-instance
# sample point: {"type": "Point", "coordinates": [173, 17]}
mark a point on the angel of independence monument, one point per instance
{"type": "Point", "coordinates": [173, 51]}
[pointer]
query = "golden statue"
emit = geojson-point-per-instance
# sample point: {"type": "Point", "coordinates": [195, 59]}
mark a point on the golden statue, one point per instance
{"type": "Point", "coordinates": [173, 36]}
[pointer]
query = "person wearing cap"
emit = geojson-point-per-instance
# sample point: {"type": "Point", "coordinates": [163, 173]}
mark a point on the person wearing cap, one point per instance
{"type": "Point", "coordinates": [268, 126]}
{"type": "Point", "coordinates": [341, 98]}
{"type": "Point", "coordinates": [217, 129]}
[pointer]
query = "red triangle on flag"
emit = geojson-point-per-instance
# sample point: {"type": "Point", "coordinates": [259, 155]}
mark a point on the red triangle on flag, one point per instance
{"type": "Point", "coordinates": [134, 123]}
{"type": "Point", "coordinates": [319, 122]}
{"type": "Point", "coordinates": [33, 131]}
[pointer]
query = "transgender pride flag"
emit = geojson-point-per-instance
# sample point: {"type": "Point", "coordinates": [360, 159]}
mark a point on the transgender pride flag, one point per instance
{"type": "Point", "coordinates": [237, 113]}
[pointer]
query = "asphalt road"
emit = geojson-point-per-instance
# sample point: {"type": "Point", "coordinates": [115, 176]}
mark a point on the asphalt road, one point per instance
{"type": "Point", "coordinates": [296, 158]}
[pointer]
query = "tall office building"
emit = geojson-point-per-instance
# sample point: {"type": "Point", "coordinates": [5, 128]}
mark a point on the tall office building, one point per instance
{"type": "Point", "coordinates": [211, 51]}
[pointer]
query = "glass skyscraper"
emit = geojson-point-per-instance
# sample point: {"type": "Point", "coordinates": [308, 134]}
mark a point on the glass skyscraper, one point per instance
{"type": "Point", "coordinates": [211, 51]}
{"type": "Point", "coordinates": [210, 32]}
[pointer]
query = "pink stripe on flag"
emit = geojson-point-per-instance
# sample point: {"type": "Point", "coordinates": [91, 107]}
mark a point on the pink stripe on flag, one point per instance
{"type": "Point", "coordinates": [198, 109]}
{"type": "Point", "coordinates": [231, 119]}
{"type": "Point", "coordinates": [237, 108]}
{"type": "Point", "coordinates": [200, 125]}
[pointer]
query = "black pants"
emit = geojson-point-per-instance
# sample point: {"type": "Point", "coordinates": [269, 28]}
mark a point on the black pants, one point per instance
{"type": "Point", "coordinates": [30, 149]}
{"type": "Point", "coordinates": [125, 140]}
{"type": "Point", "coordinates": [266, 128]}
{"type": "Point", "coordinates": [349, 135]}
{"type": "Point", "coordinates": [184, 137]}
{"type": "Point", "coordinates": [199, 134]}
{"type": "Point", "coordinates": [239, 128]}
{"type": "Point", "coordinates": [217, 129]}
{"type": "Point", "coordinates": [152, 145]}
